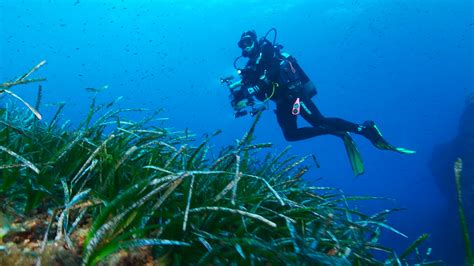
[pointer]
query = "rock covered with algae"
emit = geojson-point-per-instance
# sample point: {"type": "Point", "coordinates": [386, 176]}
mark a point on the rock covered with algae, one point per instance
{"type": "Point", "coordinates": [444, 156]}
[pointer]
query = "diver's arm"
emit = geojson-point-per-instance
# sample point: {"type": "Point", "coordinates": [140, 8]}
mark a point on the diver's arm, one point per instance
{"type": "Point", "coordinates": [255, 83]}
{"type": "Point", "coordinates": [246, 94]}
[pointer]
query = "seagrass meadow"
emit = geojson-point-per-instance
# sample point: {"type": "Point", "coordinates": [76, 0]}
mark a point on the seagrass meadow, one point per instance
{"type": "Point", "coordinates": [117, 192]}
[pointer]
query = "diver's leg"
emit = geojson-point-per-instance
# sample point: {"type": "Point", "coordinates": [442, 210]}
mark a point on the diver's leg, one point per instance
{"type": "Point", "coordinates": [338, 126]}
{"type": "Point", "coordinates": [288, 125]}
{"type": "Point", "coordinates": [333, 125]}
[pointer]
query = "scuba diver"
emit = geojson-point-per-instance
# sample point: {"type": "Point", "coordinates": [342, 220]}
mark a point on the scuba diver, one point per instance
{"type": "Point", "coordinates": [271, 74]}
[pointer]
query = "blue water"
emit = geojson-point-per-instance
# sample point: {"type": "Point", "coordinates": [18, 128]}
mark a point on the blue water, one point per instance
{"type": "Point", "coordinates": [405, 64]}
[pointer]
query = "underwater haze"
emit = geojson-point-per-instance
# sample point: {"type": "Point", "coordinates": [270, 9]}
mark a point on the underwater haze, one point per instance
{"type": "Point", "coordinates": [406, 64]}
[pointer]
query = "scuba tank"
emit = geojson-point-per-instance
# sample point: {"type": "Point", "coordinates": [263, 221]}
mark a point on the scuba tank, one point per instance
{"type": "Point", "coordinates": [293, 77]}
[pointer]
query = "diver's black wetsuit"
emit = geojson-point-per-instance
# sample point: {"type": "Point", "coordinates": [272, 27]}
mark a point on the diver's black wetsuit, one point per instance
{"type": "Point", "coordinates": [320, 125]}
{"type": "Point", "coordinates": [275, 68]}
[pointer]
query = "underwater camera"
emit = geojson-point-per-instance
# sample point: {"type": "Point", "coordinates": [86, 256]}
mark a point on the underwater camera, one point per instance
{"type": "Point", "coordinates": [238, 114]}
{"type": "Point", "coordinates": [238, 99]}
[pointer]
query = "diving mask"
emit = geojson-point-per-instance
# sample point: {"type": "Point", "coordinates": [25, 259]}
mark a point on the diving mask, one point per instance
{"type": "Point", "coordinates": [246, 42]}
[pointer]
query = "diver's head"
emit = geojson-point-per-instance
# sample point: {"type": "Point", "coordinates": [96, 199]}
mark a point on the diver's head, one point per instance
{"type": "Point", "coordinates": [248, 43]}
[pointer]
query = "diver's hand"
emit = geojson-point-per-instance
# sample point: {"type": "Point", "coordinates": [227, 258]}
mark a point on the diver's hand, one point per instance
{"type": "Point", "coordinates": [241, 104]}
{"type": "Point", "coordinates": [256, 110]}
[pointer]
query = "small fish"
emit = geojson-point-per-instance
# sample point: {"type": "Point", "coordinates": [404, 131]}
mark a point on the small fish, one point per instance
{"type": "Point", "coordinates": [90, 89]}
